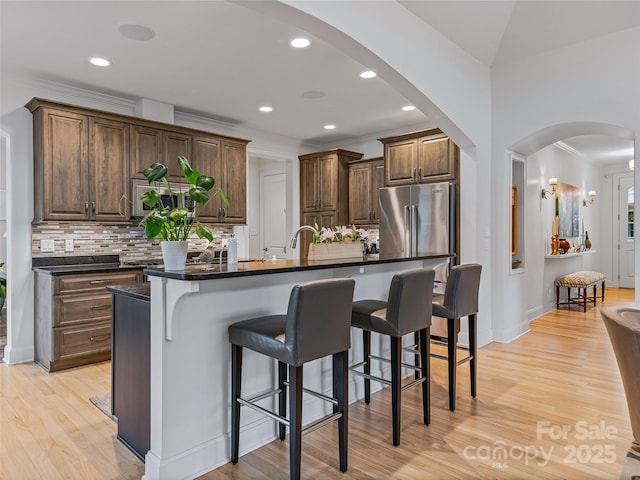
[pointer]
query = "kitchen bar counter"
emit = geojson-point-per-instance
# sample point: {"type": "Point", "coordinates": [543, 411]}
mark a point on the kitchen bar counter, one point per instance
{"type": "Point", "coordinates": [190, 355]}
{"type": "Point", "coordinates": [141, 291]}
{"type": "Point", "coordinates": [212, 271]}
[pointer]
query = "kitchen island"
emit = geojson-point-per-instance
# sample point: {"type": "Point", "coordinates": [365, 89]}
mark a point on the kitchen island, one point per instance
{"type": "Point", "coordinates": [190, 353]}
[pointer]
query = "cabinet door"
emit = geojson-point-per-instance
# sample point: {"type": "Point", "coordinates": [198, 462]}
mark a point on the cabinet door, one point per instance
{"type": "Point", "coordinates": [109, 162]}
{"type": "Point", "coordinates": [176, 145]}
{"type": "Point", "coordinates": [328, 182]}
{"type": "Point", "coordinates": [309, 185]}
{"type": "Point", "coordinates": [146, 148]}
{"type": "Point", "coordinates": [65, 138]}
{"type": "Point", "coordinates": [306, 237]}
{"type": "Point", "coordinates": [435, 159]}
{"type": "Point", "coordinates": [360, 186]}
{"type": "Point", "coordinates": [206, 160]}
{"type": "Point", "coordinates": [321, 219]}
{"type": "Point", "coordinates": [400, 162]}
{"type": "Point", "coordinates": [377, 183]}
{"type": "Point", "coordinates": [234, 156]}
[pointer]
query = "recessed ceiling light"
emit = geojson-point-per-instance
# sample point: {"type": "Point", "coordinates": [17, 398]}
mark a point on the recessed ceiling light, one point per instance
{"type": "Point", "coordinates": [368, 74]}
{"type": "Point", "coordinates": [408, 108]}
{"type": "Point", "coordinates": [265, 109]}
{"type": "Point", "coordinates": [329, 127]}
{"type": "Point", "coordinates": [300, 42]}
{"type": "Point", "coordinates": [133, 31]}
{"type": "Point", "coordinates": [100, 62]}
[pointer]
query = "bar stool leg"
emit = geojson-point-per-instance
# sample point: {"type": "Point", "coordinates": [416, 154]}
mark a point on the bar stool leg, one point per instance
{"type": "Point", "coordinates": [452, 342]}
{"type": "Point", "coordinates": [472, 352]}
{"type": "Point", "coordinates": [424, 370]}
{"type": "Point", "coordinates": [236, 381]}
{"type": "Point", "coordinates": [366, 348]}
{"type": "Point", "coordinates": [295, 421]}
{"type": "Point", "coordinates": [418, 356]}
{"type": "Point", "coordinates": [340, 378]}
{"type": "Point", "coordinates": [396, 387]}
{"type": "Point", "coordinates": [282, 398]}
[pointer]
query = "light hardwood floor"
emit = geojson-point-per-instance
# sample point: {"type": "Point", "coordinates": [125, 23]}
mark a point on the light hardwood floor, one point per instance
{"type": "Point", "coordinates": [561, 375]}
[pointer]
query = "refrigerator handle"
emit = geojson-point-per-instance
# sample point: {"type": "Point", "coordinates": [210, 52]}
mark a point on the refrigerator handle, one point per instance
{"type": "Point", "coordinates": [414, 230]}
{"type": "Point", "coordinates": [406, 247]}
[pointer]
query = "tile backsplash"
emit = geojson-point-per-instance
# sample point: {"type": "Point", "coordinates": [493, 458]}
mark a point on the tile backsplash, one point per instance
{"type": "Point", "coordinates": [128, 241]}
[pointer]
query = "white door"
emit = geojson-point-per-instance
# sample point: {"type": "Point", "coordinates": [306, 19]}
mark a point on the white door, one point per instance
{"type": "Point", "coordinates": [273, 214]}
{"type": "Point", "coordinates": [625, 232]}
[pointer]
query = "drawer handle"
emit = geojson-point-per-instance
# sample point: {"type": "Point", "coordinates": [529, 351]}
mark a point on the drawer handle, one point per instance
{"type": "Point", "coordinates": [99, 338]}
{"type": "Point", "coordinates": [98, 282]}
{"type": "Point", "coordinates": [99, 307]}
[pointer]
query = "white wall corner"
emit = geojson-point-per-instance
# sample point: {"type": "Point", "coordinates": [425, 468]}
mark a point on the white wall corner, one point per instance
{"type": "Point", "coordinates": [152, 110]}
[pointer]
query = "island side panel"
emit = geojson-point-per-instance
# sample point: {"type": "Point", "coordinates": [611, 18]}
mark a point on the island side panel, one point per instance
{"type": "Point", "coordinates": [190, 375]}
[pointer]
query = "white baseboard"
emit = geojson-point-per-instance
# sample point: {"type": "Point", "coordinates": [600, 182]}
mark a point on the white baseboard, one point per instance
{"type": "Point", "coordinates": [510, 334]}
{"type": "Point", "coordinates": [14, 355]}
{"type": "Point", "coordinates": [207, 456]}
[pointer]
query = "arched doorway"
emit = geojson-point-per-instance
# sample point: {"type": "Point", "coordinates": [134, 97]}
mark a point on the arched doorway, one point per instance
{"type": "Point", "coordinates": [552, 152]}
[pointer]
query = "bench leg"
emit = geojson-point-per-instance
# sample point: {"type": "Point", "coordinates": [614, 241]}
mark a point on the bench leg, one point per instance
{"type": "Point", "coordinates": [602, 298]}
{"type": "Point", "coordinates": [557, 297]}
{"type": "Point", "coordinates": [584, 299]}
{"type": "Point", "coordinates": [595, 287]}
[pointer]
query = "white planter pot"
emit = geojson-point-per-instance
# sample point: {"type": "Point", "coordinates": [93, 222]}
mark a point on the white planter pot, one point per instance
{"type": "Point", "coordinates": [174, 254]}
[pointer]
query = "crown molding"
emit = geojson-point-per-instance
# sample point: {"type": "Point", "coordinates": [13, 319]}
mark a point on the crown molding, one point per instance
{"type": "Point", "coordinates": [567, 148]}
{"type": "Point", "coordinates": [82, 97]}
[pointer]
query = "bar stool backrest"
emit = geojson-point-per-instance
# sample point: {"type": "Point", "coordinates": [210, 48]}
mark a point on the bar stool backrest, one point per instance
{"type": "Point", "coordinates": [319, 319]}
{"type": "Point", "coordinates": [623, 326]}
{"type": "Point", "coordinates": [409, 302]}
{"type": "Point", "coordinates": [461, 292]}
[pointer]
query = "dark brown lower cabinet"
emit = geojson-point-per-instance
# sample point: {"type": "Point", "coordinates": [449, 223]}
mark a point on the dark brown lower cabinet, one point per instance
{"type": "Point", "coordinates": [130, 371]}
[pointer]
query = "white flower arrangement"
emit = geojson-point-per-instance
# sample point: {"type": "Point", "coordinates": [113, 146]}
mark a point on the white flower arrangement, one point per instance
{"type": "Point", "coordinates": [340, 234]}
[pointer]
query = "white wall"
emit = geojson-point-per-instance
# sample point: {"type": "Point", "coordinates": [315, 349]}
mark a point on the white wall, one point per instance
{"type": "Point", "coordinates": [540, 273]}
{"type": "Point", "coordinates": [593, 81]}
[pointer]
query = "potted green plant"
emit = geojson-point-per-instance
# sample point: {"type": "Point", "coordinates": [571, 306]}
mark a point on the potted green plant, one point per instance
{"type": "Point", "coordinates": [174, 222]}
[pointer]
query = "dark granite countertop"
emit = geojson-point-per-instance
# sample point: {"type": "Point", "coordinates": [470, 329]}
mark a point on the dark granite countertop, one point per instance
{"type": "Point", "coordinates": [79, 264]}
{"type": "Point", "coordinates": [84, 268]}
{"type": "Point", "coordinates": [212, 271]}
{"type": "Point", "coordinates": [141, 291]}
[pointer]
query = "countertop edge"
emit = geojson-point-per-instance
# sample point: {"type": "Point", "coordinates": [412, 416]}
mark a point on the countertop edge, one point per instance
{"type": "Point", "coordinates": [140, 291]}
{"type": "Point", "coordinates": [56, 270]}
{"type": "Point", "coordinates": [193, 274]}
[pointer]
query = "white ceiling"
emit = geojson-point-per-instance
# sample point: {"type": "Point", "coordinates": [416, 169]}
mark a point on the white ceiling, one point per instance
{"type": "Point", "coordinates": [223, 60]}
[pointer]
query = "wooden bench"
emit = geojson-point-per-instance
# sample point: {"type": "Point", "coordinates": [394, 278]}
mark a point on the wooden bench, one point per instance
{"type": "Point", "coordinates": [582, 281]}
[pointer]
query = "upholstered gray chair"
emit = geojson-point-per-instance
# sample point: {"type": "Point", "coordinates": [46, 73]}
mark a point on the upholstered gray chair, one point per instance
{"type": "Point", "coordinates": [317, 324]}
{"type": "Point", "coordinates": [460, 299]}
{"type": "Point", "coordinates": [623, 325]}
{"type": "Point", "coordinates": [407, 310]}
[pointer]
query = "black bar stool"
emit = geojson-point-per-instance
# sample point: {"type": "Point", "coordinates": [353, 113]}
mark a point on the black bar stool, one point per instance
{"type": "Point", "coordinates": [317, 324]}
{"type": "Point", "coordinates": [407, 310]}
{"type": "Point", "coordinates": [460, 299]}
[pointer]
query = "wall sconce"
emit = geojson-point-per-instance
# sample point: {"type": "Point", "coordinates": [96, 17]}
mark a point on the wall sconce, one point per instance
{"type": "Point", "coordinates": [553, 181]}
{"type": "Point", "coordinates": [592, 198]}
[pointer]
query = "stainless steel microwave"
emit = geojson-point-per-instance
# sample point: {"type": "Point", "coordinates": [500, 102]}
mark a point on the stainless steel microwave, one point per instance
{"type": "Point", "coordinates": [179, 191]}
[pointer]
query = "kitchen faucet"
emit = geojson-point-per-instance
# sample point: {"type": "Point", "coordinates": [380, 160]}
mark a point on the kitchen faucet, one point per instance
{"type": "Point", "coordinates": [294, 240]}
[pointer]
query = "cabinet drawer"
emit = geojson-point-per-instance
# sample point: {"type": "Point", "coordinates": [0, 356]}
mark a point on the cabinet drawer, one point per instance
{"type": "Point", "coordinates": [73, 309]}
{"type": "Point", "coordinates": [77, 341]}
{"type": "Point", "coordinates": [93, 282]}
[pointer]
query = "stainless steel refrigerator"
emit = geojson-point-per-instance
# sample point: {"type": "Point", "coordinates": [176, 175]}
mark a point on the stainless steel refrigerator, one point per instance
{"type": "Point", "coordinates": [418, 220]}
